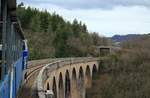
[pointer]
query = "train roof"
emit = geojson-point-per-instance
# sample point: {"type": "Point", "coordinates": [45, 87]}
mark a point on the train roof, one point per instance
{"type": "Point", "coordinates": [12, 6]}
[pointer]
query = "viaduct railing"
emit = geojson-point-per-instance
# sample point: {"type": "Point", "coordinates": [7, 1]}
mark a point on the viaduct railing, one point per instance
{"type": "Point", "coordinates": [42, 77]}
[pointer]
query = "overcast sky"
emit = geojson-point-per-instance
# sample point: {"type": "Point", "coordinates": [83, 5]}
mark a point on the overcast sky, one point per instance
{"type": "Point", "coordinates": [107, 17]}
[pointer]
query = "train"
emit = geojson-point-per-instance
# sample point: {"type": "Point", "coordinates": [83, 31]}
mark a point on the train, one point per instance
{"type": "Point", "coordinates": [13, 51]}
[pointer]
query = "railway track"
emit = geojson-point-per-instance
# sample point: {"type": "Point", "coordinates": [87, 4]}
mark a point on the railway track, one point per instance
{"type": "Point", "coordinates": [28, 89]}
{"type": "Point", "coordinates": [33, 68]}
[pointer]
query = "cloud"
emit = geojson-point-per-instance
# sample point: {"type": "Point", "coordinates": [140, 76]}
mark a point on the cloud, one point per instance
{"type": "Point", "coordinates": [87, 4]}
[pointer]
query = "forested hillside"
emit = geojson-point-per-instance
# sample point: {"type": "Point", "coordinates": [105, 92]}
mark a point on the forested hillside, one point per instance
{"type": "Point", "coordinates": [122, 38]}
{"type": "Point", "coordinates": [49, 35]}
{"type": "Point", "coordinates": [126, 73]}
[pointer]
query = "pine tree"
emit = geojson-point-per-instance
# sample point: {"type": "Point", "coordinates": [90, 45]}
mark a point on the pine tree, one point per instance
{"type": "Point", "coordinates": [35, 24]}
{"type": "Point", "coordinates": [75, 28]}
{"type": "Point", "coordinates": [44, 21]}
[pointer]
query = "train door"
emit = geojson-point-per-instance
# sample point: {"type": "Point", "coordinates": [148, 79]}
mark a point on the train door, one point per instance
{"type": "Point", "coordinates": [0, 61]}
{"type": "Point", "coordinates": [25, 55]}
{"type": "Point", "coordinates": [25, 59]}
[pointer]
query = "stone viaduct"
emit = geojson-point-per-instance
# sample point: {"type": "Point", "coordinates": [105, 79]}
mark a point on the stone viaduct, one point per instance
{"type": "Point", "coordinates": [67, 78]}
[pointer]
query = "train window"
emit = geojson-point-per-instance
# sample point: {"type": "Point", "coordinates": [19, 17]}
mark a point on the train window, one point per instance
{"type": "Point", "coordinates": [0, 62]}
{"type": "Point", "coordinates": [0, 54]}
{"type": "Point", "coordinates": [24, 46]}
{"type": "Point", "coordinates": [0, 48]}
{"type": "Point", "coordinates": [0, 34]}
{"type": "Point", "coordinates": [0, 72]}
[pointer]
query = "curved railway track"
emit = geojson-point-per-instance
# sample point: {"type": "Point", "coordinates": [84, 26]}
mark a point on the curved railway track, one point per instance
{"type": "Point", "coordinates": [34, 70]}
{"type": "Point", "coordinates": [28, 89]}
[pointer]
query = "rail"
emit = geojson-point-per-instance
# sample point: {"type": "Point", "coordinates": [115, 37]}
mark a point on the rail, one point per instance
{"type": "Point", "coordinates": [32, 69]}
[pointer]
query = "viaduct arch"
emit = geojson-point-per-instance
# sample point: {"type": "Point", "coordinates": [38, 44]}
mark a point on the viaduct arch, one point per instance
{"type": "Point", "coordinates": [71, 80]}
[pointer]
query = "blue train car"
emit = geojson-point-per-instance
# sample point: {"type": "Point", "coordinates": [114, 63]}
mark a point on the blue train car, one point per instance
{"type": "Point", "coordinates": [13, 50]}
{"type": "Point", "coordinates": [4, 85]}
{"type": "Point", "coordinates": [25, 59]}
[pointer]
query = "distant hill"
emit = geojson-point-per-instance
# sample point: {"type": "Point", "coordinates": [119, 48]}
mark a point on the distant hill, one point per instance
{"type": "Point", "coordinates": [121, 38]}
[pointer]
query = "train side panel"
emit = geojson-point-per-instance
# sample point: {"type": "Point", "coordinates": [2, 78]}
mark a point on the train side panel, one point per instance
{"type": "Point", "coordinates": [5, 87]}
{"type": "Point", "coordinates": [18, 73]}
